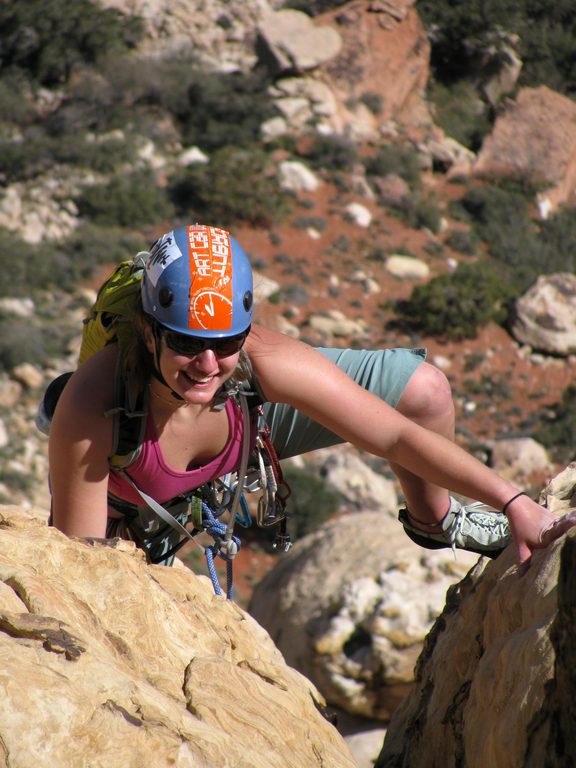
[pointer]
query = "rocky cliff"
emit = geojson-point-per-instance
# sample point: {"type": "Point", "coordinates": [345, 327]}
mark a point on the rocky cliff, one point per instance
{"type": "Point", "coordinates": [107, 662]}
{"type": "Point", "coordinates": [495, 682]}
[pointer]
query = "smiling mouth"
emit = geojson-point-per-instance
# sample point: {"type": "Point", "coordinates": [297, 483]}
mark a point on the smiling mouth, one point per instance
{"type": "Point", "coordinates": [197, 379]}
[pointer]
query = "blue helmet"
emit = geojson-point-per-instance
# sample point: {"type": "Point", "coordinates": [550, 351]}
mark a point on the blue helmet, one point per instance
{"type": "Point", "coordinates": [198, 281]}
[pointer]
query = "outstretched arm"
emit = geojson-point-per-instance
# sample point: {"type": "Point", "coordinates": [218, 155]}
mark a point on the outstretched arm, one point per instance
{"type": "Point", "coordinates": [80, 442]}
{"type": "Point", "coordinates": [292, 372]}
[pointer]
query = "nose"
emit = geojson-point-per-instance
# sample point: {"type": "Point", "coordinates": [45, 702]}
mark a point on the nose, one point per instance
{"type": "Point", "coordinates": [205, 361]}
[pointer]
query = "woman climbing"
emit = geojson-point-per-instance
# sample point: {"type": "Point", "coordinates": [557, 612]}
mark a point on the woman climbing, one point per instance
{"type": "Point", "coordinates": [193, 344]}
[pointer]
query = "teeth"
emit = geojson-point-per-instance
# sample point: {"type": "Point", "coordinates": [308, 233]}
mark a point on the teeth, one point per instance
{"type": "Point", "coordinates": [198, 380]}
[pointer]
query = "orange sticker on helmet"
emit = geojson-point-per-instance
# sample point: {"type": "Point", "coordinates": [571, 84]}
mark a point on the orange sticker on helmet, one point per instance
{"type": "Point", "coordinates": [210, 252]}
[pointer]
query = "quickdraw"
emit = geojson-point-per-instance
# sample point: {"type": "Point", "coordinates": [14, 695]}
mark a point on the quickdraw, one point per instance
{"type": "Point", "coordinates": [268, 478]}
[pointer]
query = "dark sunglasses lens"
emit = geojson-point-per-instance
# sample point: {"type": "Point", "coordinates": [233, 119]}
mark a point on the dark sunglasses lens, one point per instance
{"type": "Point", "coordinates": [190, 346]}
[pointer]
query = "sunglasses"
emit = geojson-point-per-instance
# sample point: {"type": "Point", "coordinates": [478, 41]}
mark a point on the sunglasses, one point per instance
{"type": "Point", "coordinates": [193, 345]}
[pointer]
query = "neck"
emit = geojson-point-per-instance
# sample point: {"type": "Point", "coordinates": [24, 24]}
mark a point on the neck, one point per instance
{"type": "Point", "coordinates": [166, 396]}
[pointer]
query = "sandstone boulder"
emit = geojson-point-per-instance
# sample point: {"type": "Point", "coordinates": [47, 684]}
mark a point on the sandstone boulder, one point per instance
{"type": "Point", "coordinates": [350, 605]}
{"type": "Point", "coordinates": [495, 682]}
{"type": "Point", "coordinates": [534, 138]}
{"type": "Point", "coordinates": [107, 661]}
{"type": "Point", "coordinates": [545, 317]}
{"type": "Point", "coordinates": [289, 41]}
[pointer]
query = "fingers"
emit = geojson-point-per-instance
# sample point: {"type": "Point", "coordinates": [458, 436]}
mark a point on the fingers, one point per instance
{"type": "Point", "coordinates": [551, 529]}
{"type": "Point", "coordinates": [523, 553]}
{"type": "Point", "coordinates": [557, 528]}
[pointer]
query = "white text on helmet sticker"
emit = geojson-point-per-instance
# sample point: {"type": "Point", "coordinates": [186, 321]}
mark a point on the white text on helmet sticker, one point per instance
{"type": "Point", "coordinates": [211, 283]}
{"type": "Point", "coordinates": [163, 253]}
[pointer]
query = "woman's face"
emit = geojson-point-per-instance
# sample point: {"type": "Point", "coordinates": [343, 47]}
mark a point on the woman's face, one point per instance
{"type": "Point", "coordinates": [195, 376]}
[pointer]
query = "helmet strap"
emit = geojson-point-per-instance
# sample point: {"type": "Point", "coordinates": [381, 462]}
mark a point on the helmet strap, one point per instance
{"type": "Point", "coordinates": [156, 370]}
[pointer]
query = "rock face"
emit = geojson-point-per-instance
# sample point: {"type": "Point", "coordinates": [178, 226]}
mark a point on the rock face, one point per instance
{"type": "Point", "coordinates": [495, 682]}
{"type": "Point", "coordinates": [545, 317]}
{"type": "Point", "coordinates": [350, 605]}
{"type": "Point", "coordinates": [534, 138]}
{"type": "Point", "coordinates": [219, 33]}
{"type": "Point", "coordinates": [107, 661]}
{"type": "Point", "coordinates": [382, 69]}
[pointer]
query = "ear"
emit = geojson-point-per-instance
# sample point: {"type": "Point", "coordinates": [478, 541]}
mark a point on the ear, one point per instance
{"type": "Point", "coordinates": [149, 339]}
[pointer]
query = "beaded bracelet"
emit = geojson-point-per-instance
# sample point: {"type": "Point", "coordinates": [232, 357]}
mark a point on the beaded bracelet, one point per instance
{"type": "Point", "coordinates": [505, 507]}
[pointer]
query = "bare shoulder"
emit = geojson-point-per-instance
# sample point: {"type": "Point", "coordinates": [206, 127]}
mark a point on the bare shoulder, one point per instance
{"type": "Point", "coordinates": [289, 370]}
{"type": "Point", "coordinates": [90, 391]}
{"type": "Point", "coordinates": [263, 342]}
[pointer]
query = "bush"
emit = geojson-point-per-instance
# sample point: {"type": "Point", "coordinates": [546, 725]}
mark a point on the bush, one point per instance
{"type": "Point", "coordinates": [462, 241]}
{"type": "Point", "coordinates": [314, 7]}
{"type": "Point", "coordinates": [60, 265]}
{"type": "Point", "coordinates": [312, 502]}
{"type": "Point", "coordinates": [501, 217]}
{"type": "Point", "coordinates": [21, 341]}
{"type": "Point", "coordinates": [461, 33]}
{"type": "Point", "coordinates": [558, 236]}
{"type": "Point", "coordinates": [223, 109]}
{"type": "Point", "coordinates": [90, 247]}
{"type": "Point", "coordinates": [15, 104]}
{"type": "Point", "coordinates": [125, 201]}
{"type": "Point", "coordinates": [49, 39]}
{"type": "Point", "coordinates": [556, 427]}
{"type": "Point", "coordinates": [398, 159]}
{"type": "Point", "coordinates": [460, 112]}
{"type": "Point", "coordinates": [373, 102]}
{"type": "Point", "coordinates": [455, 305]}
{"type": "Point", "coordinates": [234, 186]}
{"type": "Point", "coordinates": [333, 153]}
{"type": "Point", "coordinates": [422, 213]}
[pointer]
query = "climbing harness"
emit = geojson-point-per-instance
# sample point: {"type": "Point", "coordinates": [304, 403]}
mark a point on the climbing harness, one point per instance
{"type": "Point", "coordinates": [212, 500]}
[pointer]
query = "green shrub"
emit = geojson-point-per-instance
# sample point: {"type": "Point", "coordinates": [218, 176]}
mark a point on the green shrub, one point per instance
{"type": "Point", "coordinates": [422, 213]}
{"type": "Point", "coordinates": [461, 33]}
{"type": "Point", "coordinates": [312, 502]}
{"type": "Point", "coordinates": [223, 109]}
{"type": "Point", "coordinates": [49, 39]}
{"type": "Point", "coordinates": [332, 153]}
{"type": "Point", "coordinates": [558, 236]}
{"type": "Point", "coordinates": [460, 112]}
{"type": "Point", "coordinates": [310, 222]}
{"type": "Point", "coordinates": [234, 186]}
{"type": "Point", "coordinates": [373, 102]}
{"type": "Point", "coordinates": [398, 159]}
{"type": "Point", "coordinates": [463, 241]}
{"type": "Point", "coordinates": [125, 201]}
{"type": "Point", "coordinates": [38, 152]}
{"type": "Point", "coordinates": [501, 217]}
{"type": "Point", "coordinates": [27, 268]}
{"type": "Point", "coordinates": [556, 427]}
{"type": "Point", "coordinates": [49, 266]}
{"type": "Point", "coordinates": [15, 104]}
{"type": "Point", "coordinates": [91, 246]}
{"type": "Point", "coordinates": [455, 305]}
{"type": "Point", "coordinates": [21, 341]}
{"type": "Point", "coordinates": [314, 7]}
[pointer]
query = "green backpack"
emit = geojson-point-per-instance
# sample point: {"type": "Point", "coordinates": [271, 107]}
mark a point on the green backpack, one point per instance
{"type": "Point", "coordinates": [108, 321]}
{"type": "Point", "coordinates": [110, 317]}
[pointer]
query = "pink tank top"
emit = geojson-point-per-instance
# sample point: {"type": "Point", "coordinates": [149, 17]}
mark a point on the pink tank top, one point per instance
{"type": "Point", "coordinates": [152, 474]}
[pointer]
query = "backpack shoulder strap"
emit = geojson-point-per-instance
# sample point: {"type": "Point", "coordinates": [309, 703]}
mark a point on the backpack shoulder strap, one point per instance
{"type": "Point", "coordinates": [129, 414]}
{"type": "Point", "coordinates": [257, 397]}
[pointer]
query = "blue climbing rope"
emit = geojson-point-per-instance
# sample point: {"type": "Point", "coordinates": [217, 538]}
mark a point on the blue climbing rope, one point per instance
{"type": "Point", "coordinates": [217, 530]}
